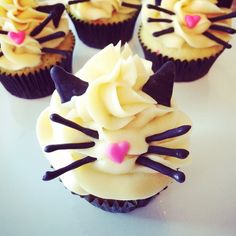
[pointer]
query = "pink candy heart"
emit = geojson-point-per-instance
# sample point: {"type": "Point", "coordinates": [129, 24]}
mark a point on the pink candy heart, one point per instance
{"type": "Point", "coordinates": [191, 21]}
{"type": "Point", "coordinates": [118, 151]}
{"type": "Point", "coordinates": [17, 37]}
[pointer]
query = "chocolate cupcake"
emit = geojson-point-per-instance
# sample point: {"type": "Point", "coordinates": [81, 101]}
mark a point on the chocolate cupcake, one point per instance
{"type": "Point", "coordinates": [112, 133]}
{"type": "Point", "coordinates": [99, 23]}
{"type": "Point", "coordinates": [33, 39]}
{"type": "Point", "coordinates": [191, 34]}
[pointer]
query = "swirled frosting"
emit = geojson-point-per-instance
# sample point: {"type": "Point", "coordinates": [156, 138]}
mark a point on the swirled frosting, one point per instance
{"type": "Point", "coordinates": [114, 105]}
{"type": "Point", "coordinates": [187, 33]}
{"type": "Point", "coordinates": [104, 10]}
{"type": "Point", "coordinates": [21, 15]}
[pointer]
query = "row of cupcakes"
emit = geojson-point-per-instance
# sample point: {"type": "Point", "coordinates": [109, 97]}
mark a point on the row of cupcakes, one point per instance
{"type": "Point", "coordinates": [34, 37]}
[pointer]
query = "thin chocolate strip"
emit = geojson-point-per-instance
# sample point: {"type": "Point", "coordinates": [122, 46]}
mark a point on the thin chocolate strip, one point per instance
{"type": "Point", "coordinates": [55, 147]}
{"type": "Point", "coordinates": [150, 20]}
{"type": "Point", "coordinates": [56, 51]}
{"type": "Point", "coordinates": [77, 1]}
{"type": "Point", "coordinates": [169, 134]}
{"type": "Point", "coordinates": [53, 36]}
{"type": "Point", "coordinates": [216, 39]}
{"type": "Point", "coordinates": [165, 170]}
{"type": "Point", "coordinates": [223, 17]}
{"type": "Point", "coordinates": [59, 119]}
{"type": "Point", "coordinates": [130, 5]}
{"type": "Point", "coordinates": [178, 153]}
{"type": "Point", "coordinates": [49, 175]}
{"type": "Point", "coordinates": [222, 28]}
{"type": "Point", "coordinates": [163, 32]}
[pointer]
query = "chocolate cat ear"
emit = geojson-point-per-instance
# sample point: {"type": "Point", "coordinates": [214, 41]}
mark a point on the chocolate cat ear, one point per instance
{"type": "Point", "coordinates": [57, 13]}
{"type": "Point", "coordinates": [158, 2]}
{"type": "Point", "coordinates": [160, 85]}
{"type": "Point", "coordinates": [67, 85]}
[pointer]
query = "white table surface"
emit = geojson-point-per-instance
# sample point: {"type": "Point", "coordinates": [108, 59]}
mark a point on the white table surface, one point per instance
{"type": "Point", "coordinates": [204, 205]}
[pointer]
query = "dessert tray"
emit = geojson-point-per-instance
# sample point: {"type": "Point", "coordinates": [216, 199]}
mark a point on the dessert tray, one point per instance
{"type": "Point", "coordinates": [204, 205]}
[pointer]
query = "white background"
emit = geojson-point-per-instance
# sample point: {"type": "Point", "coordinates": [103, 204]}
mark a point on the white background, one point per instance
{"type": "Point", "coordinates": [204, 205]}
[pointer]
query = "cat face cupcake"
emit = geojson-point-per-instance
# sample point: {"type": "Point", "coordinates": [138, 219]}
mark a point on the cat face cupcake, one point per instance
{"type": "Point", "coordinates": [101, 22]}
{"type": "Point", "coordinates": [33, 38]}
{"type": "Point", "coordinates": [191, 33]}
{"type": "Point", "coordinates": [112, 132]}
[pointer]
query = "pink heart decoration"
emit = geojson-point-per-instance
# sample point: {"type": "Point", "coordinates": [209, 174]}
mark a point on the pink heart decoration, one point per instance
{"type": "Point", "coordinates": [17, 37]}
{"type": "Point", "coordinates": [118, 151]}
{"type": "Point", "coordinates": [191, 21]}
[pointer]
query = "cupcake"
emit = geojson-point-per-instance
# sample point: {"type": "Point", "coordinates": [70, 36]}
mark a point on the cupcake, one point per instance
{"type": "Point", "coordinates": [112, 133]}
{"type": "Point", "coordinates": [33, 38]}
{"type": "Point", "coordinates": [101, 22]}
{"type": "Point", "coordinates": [191, 33]}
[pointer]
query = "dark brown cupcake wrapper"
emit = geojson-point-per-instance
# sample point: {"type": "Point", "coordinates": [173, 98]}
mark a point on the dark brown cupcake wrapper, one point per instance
{"type": "Point", "coordinates": [117, 206]}
{"type": "Point", "coordinates": [34, 85]}
{"type": "Point", "coordinates": [186, 71]}
{"type": "Point", "coordinates": [99, 36]}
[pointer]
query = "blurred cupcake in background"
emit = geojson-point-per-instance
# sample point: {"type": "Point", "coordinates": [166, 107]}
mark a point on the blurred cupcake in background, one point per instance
{"type": "Point", "coordinates": [33, 38]}
{"type": "Point", "coordinates": [101, 22]}
{"type": "Point", "coordinates": [191, 33]}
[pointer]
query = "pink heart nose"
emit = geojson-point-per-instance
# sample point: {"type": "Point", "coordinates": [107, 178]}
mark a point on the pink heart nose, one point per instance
{"type": "Point", "coordinates": [17, 37]}
{"type": "Point", "coordinates": [118, 151]}
{"type": "Point", "coordinates": [191, 21]}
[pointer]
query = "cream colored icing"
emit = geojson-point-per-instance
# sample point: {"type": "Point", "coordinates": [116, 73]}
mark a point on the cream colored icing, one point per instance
{"type": "Point", "coordinates": [20, 15]}
{"type": "Point", "coordinates": [116, 107]}
{"type": "Point", "coordinates": [184, 42]}
{"type": "Point", "coordinates": [103, 10]}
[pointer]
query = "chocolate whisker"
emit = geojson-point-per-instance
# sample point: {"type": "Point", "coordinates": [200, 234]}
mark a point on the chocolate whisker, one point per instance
{"type": "Point", "coordinates": [56, 51]}
{"type": "Point", "coordinates": [178, 153]}
{"type": "Point", "coordinates": [156, 8]}
{"type": "Point", "coordinates": [222, 28]}
{"type": "Point", "coordinates": [1, 54]}
{"type": "Point", "coordinates": [41, 26]}
{"type": "Point", "coordinates": [216, 39]}
{"type": "Point", "coordinates": [130, 5]}
{"type": "Point", "coordinates": [58, 119]}
{"type": "Point", "coordinates": [163, 32]}
{"type": "Point", "coordinates": [49, 175]}
{"type": "Point", "coordinates": [165, 170]}
{"type": "Point", "coordinates": [3, 32]}
{"type": "Point", "coordinates": [150, 20]}
{"type": "Point", "coordinates": [53, 36]}
{"type": "Point", "coordinates": [223, 17]}
{"type": "Point", "coordinates": [77, 1]}
{"type": "Point", "coordinates": [55, 147]}
{"type": "Point", "coordinates": [169, 134]}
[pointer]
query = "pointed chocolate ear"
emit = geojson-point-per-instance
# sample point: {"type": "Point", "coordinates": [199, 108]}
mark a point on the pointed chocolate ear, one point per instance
{"type": "Point", "coordinates": [67, 85]}
{"type": "Point", "coordinates": [57, 13]}
{"type": "Point", "coordinates": [160, 85]}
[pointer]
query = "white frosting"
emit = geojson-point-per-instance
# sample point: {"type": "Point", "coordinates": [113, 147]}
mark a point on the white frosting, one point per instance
{"type": "Point", "coordinates": [21, 16]}
{"type": "Point", "coordinates": [116, 107]}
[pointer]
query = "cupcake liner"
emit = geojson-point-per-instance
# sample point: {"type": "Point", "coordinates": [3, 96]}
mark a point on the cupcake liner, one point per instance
{"type": "Point", "coordinates": [117, 206]}
{"type": "Point", "coordinates": [34, 85]}
{"type": "Point", "coordinates": [99, 36]}
{"type": "Point", "coordinates": [186, 71]}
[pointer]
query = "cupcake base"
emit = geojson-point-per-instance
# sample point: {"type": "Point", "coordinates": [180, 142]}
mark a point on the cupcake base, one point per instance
{"type": "Point", "coordinates": [38, 83]}
{"type": "Point", "coordinates": [186, 71]}
{"type": "Point", "coordinates": [117, 206]}
{"type": "Point", "coordinates": [99, 36]}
